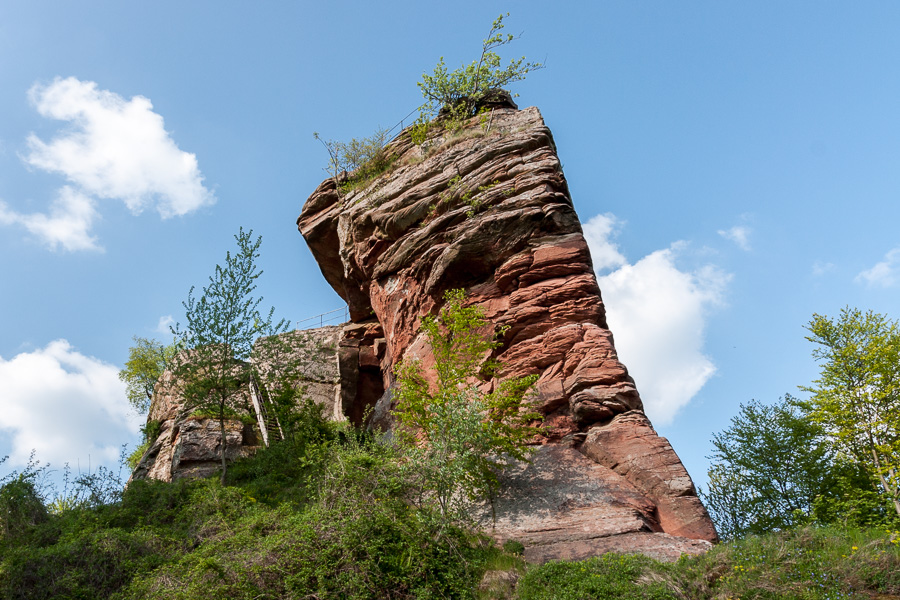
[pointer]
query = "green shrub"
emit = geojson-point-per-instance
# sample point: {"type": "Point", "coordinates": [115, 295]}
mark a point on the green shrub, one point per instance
{"type": "Point", "coordinates": [458, 438]}
{"type": "Point", "coordinates": [149, 431]}
{"type": "Point", "coordinates": [458, 92]}
{"type": "Point", "coordinates": [21, 507]}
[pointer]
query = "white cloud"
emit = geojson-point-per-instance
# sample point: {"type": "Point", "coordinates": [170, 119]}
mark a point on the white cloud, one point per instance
{"type": "Point", "coordinates": [67, 226]}
{"type": "Point", "coordinates": [64, 405]}
{"type": "Point", "coordinates": [738, 234]}
{"type": "Point", "coordinates": [885, 273]}
{"type": "Point", "coordinates": [658, 315]}
{"type": "Point", "coordinates": [116, 148]}
{"type": "Point", "coordinates": [598, 232]}
{"type": "Point", "coordinates": [164, 324]}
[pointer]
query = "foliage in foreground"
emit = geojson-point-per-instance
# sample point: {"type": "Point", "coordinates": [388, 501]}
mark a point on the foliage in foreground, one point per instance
{"type": "Point", "coordinates": [329, 518]}
{"type": "Point", "coordinates": [831, 459]}
{"type": "Point", "coordinates": [333, 522]}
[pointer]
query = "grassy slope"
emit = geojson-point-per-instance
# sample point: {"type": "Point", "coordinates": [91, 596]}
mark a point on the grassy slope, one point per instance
{"type": "Point", "coordinates": [330, 520]}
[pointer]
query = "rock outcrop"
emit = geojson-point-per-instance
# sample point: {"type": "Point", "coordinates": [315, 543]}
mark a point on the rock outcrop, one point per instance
{"type": "Point", "coordinates": [487, 209]}
{"type": "Point", "coordinates": [189, 445]}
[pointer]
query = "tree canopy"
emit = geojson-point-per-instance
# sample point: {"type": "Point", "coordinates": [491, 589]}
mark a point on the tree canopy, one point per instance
{"type": "Point", "coordinates": [857, 395]}
{"type": "Point", "coordinates": [768, 468]}
{"type": "Point", "coordinates": [147, 360]}
{"type": "Point", "coordinates": [831, 458]}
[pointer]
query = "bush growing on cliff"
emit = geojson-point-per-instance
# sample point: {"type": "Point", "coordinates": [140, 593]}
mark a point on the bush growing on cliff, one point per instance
{"type": "Point", "coordinates": [459, 91]}
{"type": "Point", "coordinates": [458, 437]}
{"type": "Point", "coordinates": [361, 158]}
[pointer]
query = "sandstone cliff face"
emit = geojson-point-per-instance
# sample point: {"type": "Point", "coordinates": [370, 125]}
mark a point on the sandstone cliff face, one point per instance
{"type": "Point", "coordinates": [487, 209]}
{"type": "Point", "coordinates": [189, 445]}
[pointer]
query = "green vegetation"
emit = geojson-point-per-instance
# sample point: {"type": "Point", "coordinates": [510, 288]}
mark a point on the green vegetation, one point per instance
{"type": "Point", "coordinates": [222, 327]}
{"type": "Point", "coordinates": [332, 512]}
{"type": "Point", "coordinates": [458, 437]}
{"type": "Point", "coordinates": [806, 563]}
{"type": "Point", "coordinates": [829, 460]}
{"type": "Point", "coordinates": [329, 519]}
{"type": "Point", "coordinates": [149, 432]}
{"type": "Point", "coordinates": [454, 95]}
{"type": "Point", "coordinates": [769, 467]}
{"type": "Point", "coordinates": [856, 398]}
{"type": "Point", "coordinates": [323, 514]}
{"type": "Point", "coordinates": [458, 92]}
{"type": "Point", "coordinates": [353, 164]}
{"type": "Point", "coordinates": [147, 360]}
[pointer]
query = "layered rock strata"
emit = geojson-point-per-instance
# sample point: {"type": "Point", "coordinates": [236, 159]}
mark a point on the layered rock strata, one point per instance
{"type": "Point", "coordinates": [189, 445]}
{"type": "Point", "coordinates": [486, 208]}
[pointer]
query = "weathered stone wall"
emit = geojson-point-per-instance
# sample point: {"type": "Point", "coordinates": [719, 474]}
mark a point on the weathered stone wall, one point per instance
{"type": "Point", "coordinates": [487, 209]}
{"type": "Point", "coordinates": [190, 446]}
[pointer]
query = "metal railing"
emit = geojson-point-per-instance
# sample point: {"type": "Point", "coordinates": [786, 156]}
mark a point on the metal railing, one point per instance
{"type": "Point", "coordinates": [338, 315]}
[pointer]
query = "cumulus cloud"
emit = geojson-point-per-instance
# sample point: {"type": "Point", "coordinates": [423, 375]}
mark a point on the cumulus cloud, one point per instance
{"type": "Point", "coordinates": [66, 227]}
{"type": "Point", "coordinates": [738, 234]}
{"type": "Point", "coordinates": [658, 314]}
{"type": "Point", "coordinates": [113, 149]}
{"type": "Point", "coordinates": [64, 405]}
{"type": "Point", "coordinates": [116, 148]}
{"type": "Point", "coordinates": [885, 273]}
{"type": "Point", "coordinates": [599, 232]}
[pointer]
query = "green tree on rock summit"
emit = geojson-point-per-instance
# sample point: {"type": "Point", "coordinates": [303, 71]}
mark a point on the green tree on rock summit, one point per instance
{"type": "Point", "coordinates": [461, 90]}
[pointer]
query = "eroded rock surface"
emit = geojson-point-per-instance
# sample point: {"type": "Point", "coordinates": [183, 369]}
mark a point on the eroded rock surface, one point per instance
{"type": "Point", "coordinates": [487, 209]}
{"type": "Point", "coordinates": [189, 445]}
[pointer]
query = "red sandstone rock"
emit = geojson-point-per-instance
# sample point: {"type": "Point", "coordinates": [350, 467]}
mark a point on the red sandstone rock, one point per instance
{"type": "Point", "coordinates": [490, 212]}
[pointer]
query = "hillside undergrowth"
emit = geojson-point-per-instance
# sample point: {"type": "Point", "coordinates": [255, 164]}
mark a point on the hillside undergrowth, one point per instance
{"type": "Point", "coordinates": [331, 518]}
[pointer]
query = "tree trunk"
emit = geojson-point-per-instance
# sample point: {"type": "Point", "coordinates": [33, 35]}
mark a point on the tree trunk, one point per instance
{"type": "Point", "coordinates": [222, 441]}
{"type": "Point", "coordinates": [884, 483]}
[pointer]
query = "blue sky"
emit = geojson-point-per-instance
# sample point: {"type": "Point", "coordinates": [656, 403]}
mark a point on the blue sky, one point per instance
{"type": "Point", "coordinates": [735, 165]}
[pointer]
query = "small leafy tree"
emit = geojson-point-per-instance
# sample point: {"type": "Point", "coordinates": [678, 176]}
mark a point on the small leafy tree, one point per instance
{"type": "Point", "coordinates": [857, 395]}
{"type": "Point", "coordinates": [768, 469]}
{"type": "Point", "coordinates": [218, 338]}
{"type": "Point", "coordinates": [147, 360]}
{"type": "Point", "coordinates": [458, 437]}
{"type": "Point", "coordinates": [461, 90]}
